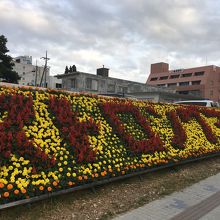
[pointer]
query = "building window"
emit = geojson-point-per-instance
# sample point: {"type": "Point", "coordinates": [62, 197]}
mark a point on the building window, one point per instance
{"type": "Point", "coordinates": [102, 83]}
{"type": "Point", "coordinates": [163, 77]}
{"type": "Point", "coordinates": [154, 79]}
{"type": "Point", "coordinates": [58, 85]}
{"type": "Point", "coordinates": [183, 92]}
{"type": "Point", "coordinates": [199, 73]}
{"type": "Point", "coordinates": [161, 85]}
{"type": "Point", "coordinates": [94, 84]}
{"type": "Point", "coordinates": [211, 82]}
{"type": "Point", "coordinates": [178, 70]}
{"type": "Point", "coordinates": [111, 88]}
{"type": "Point", "coordinates": [174, 76]}
{"type": "Point", "coordinates": [91, 84]}
{"type": "Point", "coordinates": [73, 83]}
{"type": "Point", "coordinates": [136, 88]}
{"type": "Point", "coordinates": [23, 73]}
{"type": "Point", "coordinates": [122, 89]}
{"type": "Point", "coordinates": [195, 92]}
{"type": "Point", "coordinates": [171, 84]}
{"type": "Point", "coordinates": [196, 82]}
{"type": "Point", "coordinates": [211, 93]}
{"type": "Point", "coordinates": [186, 75]}
{"type": "Point", "coordinates": [183, 83]}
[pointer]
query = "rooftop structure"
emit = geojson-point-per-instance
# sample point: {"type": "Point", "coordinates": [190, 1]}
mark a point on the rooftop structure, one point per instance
{"type": "Point", "coordinates": [23, 59]}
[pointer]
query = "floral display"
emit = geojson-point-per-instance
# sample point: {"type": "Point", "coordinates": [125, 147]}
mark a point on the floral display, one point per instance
{"type": "Point", "coordinates": [54, 140]}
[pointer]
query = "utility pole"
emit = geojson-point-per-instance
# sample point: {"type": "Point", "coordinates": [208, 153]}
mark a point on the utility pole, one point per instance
{"type": "Point", "coordinates": [44, 71]}
{"type": "Point", "coordinates": [36, 69]}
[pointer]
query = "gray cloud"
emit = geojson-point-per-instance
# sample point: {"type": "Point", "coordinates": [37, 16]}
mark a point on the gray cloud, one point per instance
{"type": "Point", "coordinates": [126, 36]}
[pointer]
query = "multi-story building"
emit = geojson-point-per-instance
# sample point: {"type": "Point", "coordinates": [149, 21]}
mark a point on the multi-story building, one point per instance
{"type": "Point", "coordinates": [203, 82]}
{"type": "Point", "coordinates": [31, 75]}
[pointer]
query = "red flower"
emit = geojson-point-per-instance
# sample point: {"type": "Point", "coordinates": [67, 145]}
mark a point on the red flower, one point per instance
{"type": "Point", "coordinates": [12, 137]}
{"type": "Point", "coordinates": [73, 132]}
{"type": "Point", "coordinates": [150, 145]}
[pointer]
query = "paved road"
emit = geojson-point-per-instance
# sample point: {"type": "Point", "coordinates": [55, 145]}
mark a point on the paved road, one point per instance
{"type": "Point", "coordinates": [199, 201]}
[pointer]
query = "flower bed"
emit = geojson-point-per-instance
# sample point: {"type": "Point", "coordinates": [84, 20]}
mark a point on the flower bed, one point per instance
{"type": "Point", "coordinates": [52, 140]}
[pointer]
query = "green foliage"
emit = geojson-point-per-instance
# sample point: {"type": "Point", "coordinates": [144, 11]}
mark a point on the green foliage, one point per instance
{"type": "Point", "coordinates": [6, 65]}
{"type": "Point", "coordinates": [66, 70]}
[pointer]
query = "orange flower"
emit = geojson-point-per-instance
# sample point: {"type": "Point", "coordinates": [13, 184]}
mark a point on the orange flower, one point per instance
{"type": "Point", "coordinates": [80, 178]}
{"type": "Point", "coordinates": [55, 183]}
{"type": "Point", "coordinates": [103, 173]}
{"type": "Point", "coordinates": [70, 183]}
{"type": "Point", "coordinates": [9, 186]}
{"type": "Point", "coordinates": [96, 174]}
{"type": "Point", "coordinates": [6, 194]}
{"type": "Point", "coordinates": [49, 189]}
{"type": "Point", "coordinates": [16, 191]}
{"type": "Point", "coordinates": [1, 185]}
{"type": "Point", "coordinates": [41, 188]}
{"type": "Point", "coordinates": [23, 191]}
{"type": "Point", "coordinates": [85, 177]}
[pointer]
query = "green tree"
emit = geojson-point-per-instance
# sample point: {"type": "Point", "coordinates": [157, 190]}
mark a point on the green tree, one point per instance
{"type": "Point", "coordinates": [66, 70]}
{"type": "Point", "coordinates": [74, 68]}
{"type": "Point", "coordinates": [6, 65]}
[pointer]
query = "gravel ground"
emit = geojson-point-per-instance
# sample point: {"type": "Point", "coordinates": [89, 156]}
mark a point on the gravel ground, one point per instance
{"type": "Point", "coordinates": [111, 199]}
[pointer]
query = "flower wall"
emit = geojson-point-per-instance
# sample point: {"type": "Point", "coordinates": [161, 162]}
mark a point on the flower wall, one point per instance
{"type": "Point", "coordinates": [52, 140]}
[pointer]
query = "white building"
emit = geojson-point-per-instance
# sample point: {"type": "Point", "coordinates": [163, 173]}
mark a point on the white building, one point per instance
{"type": "Point", "coordinates": [31, 75]}
{"type": "Point", "coordinates": [54, 83]}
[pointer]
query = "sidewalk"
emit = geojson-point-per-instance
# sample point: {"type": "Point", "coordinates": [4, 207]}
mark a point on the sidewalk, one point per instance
{"type": "Point", "coordinates": [200, 201]}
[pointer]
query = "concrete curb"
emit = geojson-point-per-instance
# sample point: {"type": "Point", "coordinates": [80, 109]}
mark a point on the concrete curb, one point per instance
{"type": "Point", "coordinates": [200, 200]}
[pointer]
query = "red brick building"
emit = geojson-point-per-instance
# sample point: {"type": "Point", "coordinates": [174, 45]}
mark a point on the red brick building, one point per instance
{"type": "Point", "coordinates": [203, 82]}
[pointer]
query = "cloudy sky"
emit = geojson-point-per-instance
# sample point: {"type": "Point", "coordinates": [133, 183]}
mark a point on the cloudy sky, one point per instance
{"type": "Point", "coordinates": [125, 36]}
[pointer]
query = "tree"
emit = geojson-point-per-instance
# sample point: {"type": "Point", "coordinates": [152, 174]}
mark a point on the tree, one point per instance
{"type": "Point", "coordinates": [6, 65]}
{"type": "Point", "coordinates": [74, 68]}
{"type": "Point", "coordinates": [66, 70]}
